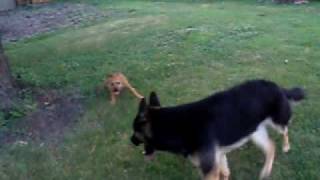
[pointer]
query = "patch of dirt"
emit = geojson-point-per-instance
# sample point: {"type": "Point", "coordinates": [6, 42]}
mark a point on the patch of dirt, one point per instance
{"type": "Point", "coordinates": [55, 113]}
{"type": "Point", "coordinates": [28, 21]}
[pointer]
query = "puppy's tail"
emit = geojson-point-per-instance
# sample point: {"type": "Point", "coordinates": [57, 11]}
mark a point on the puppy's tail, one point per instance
{"type": "Point", "coordinates": [295, 94]}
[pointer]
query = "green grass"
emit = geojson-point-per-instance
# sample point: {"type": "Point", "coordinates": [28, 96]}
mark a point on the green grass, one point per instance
{"type": "Point", "coordinates": [184, 50]}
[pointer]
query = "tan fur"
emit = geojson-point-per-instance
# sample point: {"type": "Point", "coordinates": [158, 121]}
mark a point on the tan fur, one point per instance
{"type": "Point", "coordinates": [213, 175]}
{"type": "Point", "coordinates": [270, 153]}
{"type": "Point", "coordinates": [286, 144]}
{"type": "Point", "coordinates": [262, 140]}
{"type": "Point", "coordinates": [115, 83]}
{"type": "Point", "coordinates": [224, 168]}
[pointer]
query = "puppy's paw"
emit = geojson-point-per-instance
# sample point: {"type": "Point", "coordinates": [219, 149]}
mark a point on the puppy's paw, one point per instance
{"type": "Point", "coordinates": [112, 102]}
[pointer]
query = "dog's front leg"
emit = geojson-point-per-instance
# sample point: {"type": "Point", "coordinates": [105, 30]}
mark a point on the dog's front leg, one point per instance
{"type": "Point", "coordinates": [112, 99]}
{"type": "Point", "coordinates": [213, 174]}
{"type": "Point", "coordinates": [209, 164]}
{"type": "Point", "coordinates": [148, 152]}
{"type": "Point", "coordinates": [262, 140]}
{"type": "Point", "coordinates": [286, 144]}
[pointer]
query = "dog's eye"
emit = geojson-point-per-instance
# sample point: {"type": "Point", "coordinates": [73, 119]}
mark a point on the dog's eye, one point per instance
{"type": "Point", "coordinates": [117, 83]}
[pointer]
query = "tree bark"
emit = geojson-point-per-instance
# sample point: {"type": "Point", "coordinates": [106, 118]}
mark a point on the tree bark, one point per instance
{"type": "Point", "coordinates": [7, 90]}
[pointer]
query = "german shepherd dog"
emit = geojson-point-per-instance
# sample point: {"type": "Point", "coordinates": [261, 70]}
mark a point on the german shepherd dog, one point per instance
{"type": "Point", "coordinates": [206, 130]}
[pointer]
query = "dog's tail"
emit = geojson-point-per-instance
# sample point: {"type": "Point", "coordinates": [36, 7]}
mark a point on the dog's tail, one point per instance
{"type": "Point", "coordinates": [295, 94]}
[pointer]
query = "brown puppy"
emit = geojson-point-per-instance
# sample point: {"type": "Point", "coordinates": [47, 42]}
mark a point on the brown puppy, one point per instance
{"type": "Point", "coordinates": [116, 82]}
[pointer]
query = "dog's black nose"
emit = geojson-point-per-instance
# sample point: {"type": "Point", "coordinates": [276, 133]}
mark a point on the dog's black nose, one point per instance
{"type": "Point", "coordinates": [135, 141]}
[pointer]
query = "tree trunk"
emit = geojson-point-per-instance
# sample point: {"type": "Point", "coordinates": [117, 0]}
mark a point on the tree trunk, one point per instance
{"type": "Point", "coordinates": [7, 90]}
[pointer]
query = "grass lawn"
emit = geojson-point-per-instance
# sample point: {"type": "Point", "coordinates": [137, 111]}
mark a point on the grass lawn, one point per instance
{"type": "Point", "coordinates": [184, 51]}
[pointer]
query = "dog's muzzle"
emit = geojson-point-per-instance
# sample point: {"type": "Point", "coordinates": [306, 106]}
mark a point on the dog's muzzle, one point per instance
{"type": "Point", "coordinates": [135, 141]}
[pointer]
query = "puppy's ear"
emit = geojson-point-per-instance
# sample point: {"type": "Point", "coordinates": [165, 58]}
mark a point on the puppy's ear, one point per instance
{"type": "Point", "coordinates": [142, 106]}
{"type": "Point", "coordinates": [154, 100]}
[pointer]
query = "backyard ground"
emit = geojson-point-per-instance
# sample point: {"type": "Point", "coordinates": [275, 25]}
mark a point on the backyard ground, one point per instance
{"type": "Point", "coordinates": [183, 50]}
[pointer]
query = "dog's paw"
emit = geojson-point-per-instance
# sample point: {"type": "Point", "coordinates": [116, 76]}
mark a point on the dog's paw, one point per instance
{"type": "Point", "coordinates": [265, 173]}
{"type": "Point", "coordinates": [148, 157]}
{"type": "Point", "coordinates": [112, 102]}
{"type": "Point", "coordinates": [264, 176]}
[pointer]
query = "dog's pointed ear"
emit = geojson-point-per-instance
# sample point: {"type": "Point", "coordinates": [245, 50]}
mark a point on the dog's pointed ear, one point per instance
{"type": "Point", "coordinates": [154, 100]}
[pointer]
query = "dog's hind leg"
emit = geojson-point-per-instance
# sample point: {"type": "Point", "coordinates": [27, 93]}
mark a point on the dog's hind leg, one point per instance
{"type": "Point", "coordinates": [112, 99]}
{"type": "Point", "coordinates": [262, 140]}
{"type": "Point", "coordinates": [224, 168]}
{"type": "Point", "coordinates": [194, 160]}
